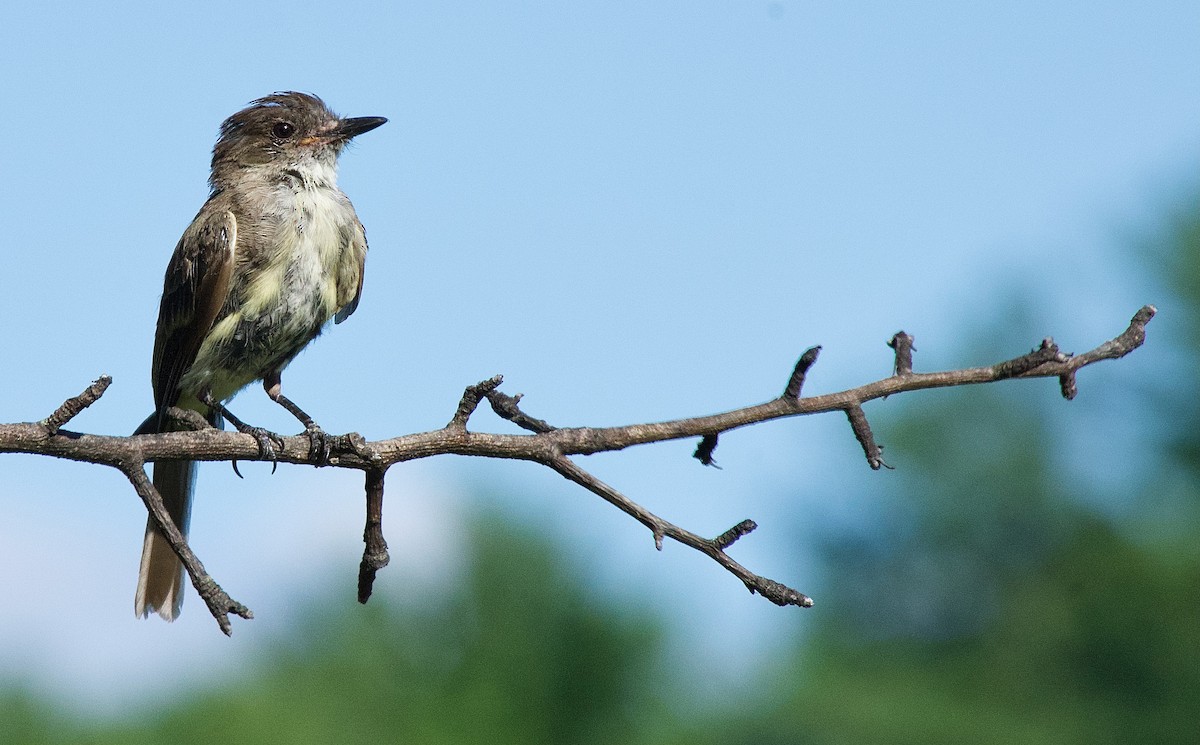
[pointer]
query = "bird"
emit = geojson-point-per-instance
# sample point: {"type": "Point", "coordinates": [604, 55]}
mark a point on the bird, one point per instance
{"type": "Point", "coordinates": [275, 253]}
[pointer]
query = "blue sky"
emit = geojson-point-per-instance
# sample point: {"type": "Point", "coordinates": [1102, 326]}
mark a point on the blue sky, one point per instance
{"type": "Point", "coordinates": [632, 210]}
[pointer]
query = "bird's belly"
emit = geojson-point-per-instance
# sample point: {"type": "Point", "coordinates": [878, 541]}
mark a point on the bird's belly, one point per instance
{"type": "Point", "coordinates": [278, 310]}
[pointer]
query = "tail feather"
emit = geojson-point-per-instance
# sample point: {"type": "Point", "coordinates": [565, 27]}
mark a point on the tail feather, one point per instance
{"type": "Point", "coordinates": [160, 585]}
{"type": "Point", "coordinates": [160, 578]}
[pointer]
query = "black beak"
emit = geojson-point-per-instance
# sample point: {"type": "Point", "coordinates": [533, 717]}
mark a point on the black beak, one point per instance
{"type": "Point", "coordinates": [348, 128]}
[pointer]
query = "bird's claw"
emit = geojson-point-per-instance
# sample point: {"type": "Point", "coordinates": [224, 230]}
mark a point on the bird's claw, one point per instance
{"type": "Point", "coordinates": [320, 445]}
{"type": "Point", "coordinates": [270, 445]}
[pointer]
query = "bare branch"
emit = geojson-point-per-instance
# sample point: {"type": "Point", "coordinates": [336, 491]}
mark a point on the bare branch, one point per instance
{"type": "Point", "coordinates": [470, 400]}
{"type": "Point", "coordinates": [704, 451]}
{"type": "Point", "coordinates": [506, 407]}
{"type": "Point", "coordinates": [545, 445]}
{"type": "Point", "coordinates": [776, 592]}
{"type": "Point", "coordinates": [218, 601]}
{"type": "Point", "coordinates": [375, 552]}
{"type": "Point", "coordinates": [727, 539]}
{"type": "Point", "coordinates": [902, 343]}
{"type": "Point", "coordinates": [862, 432]}
{"type": "Point", "coordinates": [1047, 352]}
{"type": "Point", "coordinates": [189, 418]}
{"type": "Point", "coordinates": [72, 406]}
{"type": "Point", "coordinates": [796, 381]}
{"type": "Point", "coordinates": [1066, 383]}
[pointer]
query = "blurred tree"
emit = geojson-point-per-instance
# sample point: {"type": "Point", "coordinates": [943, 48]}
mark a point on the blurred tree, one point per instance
{"type": "Point", "coordinates": [1176, 256]}
{"type": "Point", "coordinates": [25, 719]}
{"type": "Point", "coordinates": [990, 602]}
{"type": "Point", "coordinates": [517, 653]}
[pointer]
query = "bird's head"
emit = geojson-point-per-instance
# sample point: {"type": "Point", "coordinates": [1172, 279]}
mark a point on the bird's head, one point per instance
{"type": "Point", "coordinates": [288, 132]}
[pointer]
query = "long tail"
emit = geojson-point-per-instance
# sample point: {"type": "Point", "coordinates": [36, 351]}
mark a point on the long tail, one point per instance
{"type": "Point", "coordinates": [160, 578]}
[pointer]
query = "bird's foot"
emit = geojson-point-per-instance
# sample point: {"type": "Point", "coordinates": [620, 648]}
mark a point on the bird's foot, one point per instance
{"type": "Point", "coordinates": [269, 445]}
{"type": "Point", "coordinates": [320, 444]}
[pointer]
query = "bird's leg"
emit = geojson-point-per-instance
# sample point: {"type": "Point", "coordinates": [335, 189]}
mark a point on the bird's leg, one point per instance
{"type": "Point", "coordinates": [319, 442]}
{"type": "Point", "coordinates": [266, 439]}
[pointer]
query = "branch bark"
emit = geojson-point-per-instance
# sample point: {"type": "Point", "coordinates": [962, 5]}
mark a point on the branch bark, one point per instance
{"type": "Point", "coordinates": [547, 445]}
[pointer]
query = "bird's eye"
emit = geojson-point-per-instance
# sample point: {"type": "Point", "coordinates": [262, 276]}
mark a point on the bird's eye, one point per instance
{"type": "Point", "coordinates": [283, 130]}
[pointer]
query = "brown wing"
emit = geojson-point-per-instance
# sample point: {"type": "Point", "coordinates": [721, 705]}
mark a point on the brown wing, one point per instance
{"type": "Point", "coordinates": [350, 274]}
{"type": "Point", "coordinates": [194, 290]}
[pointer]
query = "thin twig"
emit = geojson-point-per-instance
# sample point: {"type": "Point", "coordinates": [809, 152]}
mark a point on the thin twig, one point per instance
{"type": "Point", "coordinates": [507, 407]}
{"type": "Point", "coordinates": [776, 592]}
{"type": "Point", "coordinates": [862, 433]}
{"type": "Point", "coordinates": [796, 381]}
{"type": "Point", "coordinates": [218, 601]}
{"type": "Point", "coordinates": [729, 537]}
{"type": "Point", "coordinates": [375, 552]}
{"type": "Point", "coordinates": [72, 406]}
{"type": "Point", "coordinates": [470, 401]}
{"type": "Point", "coordinates": [902, 343]}
{"type": "Point", "coordinates": [704, 451]}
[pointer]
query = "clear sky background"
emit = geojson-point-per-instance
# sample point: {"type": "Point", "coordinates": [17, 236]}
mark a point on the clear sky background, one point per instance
{"type": "Point", "coordinates": [633, 210]}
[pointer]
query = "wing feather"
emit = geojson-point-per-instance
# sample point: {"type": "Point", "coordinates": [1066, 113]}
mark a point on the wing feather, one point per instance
{"type": "Point", "coordinates": [350, 278]}
{"type": "Point", "coordinates": [194, 291]}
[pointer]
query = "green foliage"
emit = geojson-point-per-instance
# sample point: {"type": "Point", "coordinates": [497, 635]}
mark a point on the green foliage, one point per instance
{"type": "Point", "coordinates": [24, 719]}
{"type": "Point", "coordinates": [517, 654]}
{"type": "Point", "coordinates": [1101, 641]}
{"type": "Point", "coordinates": [1177, 258]}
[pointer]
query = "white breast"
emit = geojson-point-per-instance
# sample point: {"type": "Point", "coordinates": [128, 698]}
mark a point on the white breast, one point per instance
{"type": "Point", "coordinates": [291, 297]}
{"type": "Point", "coordinates": [308, 242]}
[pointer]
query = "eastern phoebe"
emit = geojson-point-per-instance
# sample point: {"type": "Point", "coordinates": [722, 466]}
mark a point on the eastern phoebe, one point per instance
{"type": "Point", "coordinates": [275, 252]}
